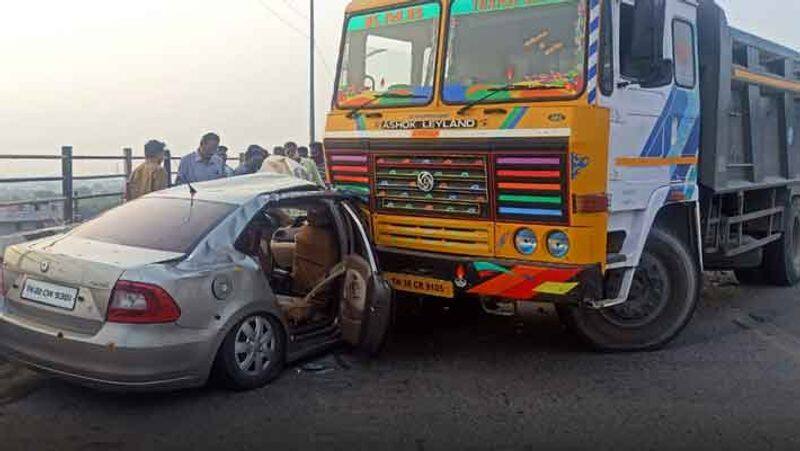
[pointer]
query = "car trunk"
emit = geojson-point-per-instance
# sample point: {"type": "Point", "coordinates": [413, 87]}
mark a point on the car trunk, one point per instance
{"type": "Point", "coordinates": [81, 272]}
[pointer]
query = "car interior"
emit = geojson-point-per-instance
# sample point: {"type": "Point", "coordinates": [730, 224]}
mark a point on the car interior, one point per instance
{"type": "Point", "coordinates": [303, 250]}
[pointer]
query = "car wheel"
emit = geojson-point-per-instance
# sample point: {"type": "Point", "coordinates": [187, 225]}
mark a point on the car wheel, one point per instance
{"type": "Point", "coordinates": [662, 300]}
{"type": "Point", "coordinates": [252, 354]}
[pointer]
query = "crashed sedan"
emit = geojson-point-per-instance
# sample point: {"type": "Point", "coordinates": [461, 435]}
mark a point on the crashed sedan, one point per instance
{"type": "Point", "coordinates": [227, 279]}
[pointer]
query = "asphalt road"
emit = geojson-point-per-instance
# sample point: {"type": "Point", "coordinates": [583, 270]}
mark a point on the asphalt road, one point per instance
{"type": "Point", "coordinates": [453, 380]}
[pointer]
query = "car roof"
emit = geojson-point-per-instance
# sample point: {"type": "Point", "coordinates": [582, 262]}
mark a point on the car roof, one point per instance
{"type": "Point", "coordinates": [239, 190]}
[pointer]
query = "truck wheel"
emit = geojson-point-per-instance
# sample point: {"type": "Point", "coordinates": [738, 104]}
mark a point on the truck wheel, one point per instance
{"type": "Point", "coordinates": [782, 258]}
{"type": "Point", "coordinates": [662, 300]}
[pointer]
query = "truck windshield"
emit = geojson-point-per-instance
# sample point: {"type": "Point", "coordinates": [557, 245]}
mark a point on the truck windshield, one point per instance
{"type": "Point", "coordinates": [538, 44]}
{"type": "Point", "coordinates": [389, 57]}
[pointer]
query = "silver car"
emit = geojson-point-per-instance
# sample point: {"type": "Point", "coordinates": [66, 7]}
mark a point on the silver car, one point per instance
{"type": "Point", "coordinates": [193, 282]}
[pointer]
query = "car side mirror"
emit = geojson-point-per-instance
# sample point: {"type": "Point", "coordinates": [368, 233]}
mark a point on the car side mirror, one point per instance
{"type": "Point", "coordinates": [661, 74]}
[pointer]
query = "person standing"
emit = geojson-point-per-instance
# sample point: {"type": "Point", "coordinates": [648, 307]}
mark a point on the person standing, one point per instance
{"type": "Point", "coordinates": [222, 152]}
{"type": "Point", "coordinates": [149, 176]}
{"type": "Point", "coordinates": [253, 160]}
{"type": "Point", "coordinates": [291, 150]}
{"type": "Point", "coordinates": [202, 165]}
{"type": "Point", "coordinates": [310, 167]}
{"type": "Point", "coordinates": [318, 155]}
{"type": "Point", "coordinates": [280, 163]}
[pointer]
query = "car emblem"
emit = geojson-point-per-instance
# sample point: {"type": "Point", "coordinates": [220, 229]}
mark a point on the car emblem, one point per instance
{"type": "Point", "coordinates": [425, 181]}
{"type": "Point", "coordinates": [44, 266]}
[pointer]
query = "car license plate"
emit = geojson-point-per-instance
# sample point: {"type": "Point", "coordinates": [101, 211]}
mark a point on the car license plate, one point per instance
{"type": "Point", "coordinates": [49, 294]}
{"type": "Point", "coordinates": [421, 285]}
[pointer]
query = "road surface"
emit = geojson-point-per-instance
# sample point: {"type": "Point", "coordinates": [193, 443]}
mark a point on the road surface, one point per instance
{"type": "Point", "coordinates": [452, 380]}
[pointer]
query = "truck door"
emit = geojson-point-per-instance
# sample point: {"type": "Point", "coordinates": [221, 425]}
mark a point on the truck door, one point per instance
{"type": "Point", "coordinates": [651, 89]}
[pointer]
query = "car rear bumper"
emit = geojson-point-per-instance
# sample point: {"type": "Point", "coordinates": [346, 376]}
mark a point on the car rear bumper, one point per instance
{"type": "Point", "coordinates": [119, 357]}
{"type": "Point", "coordinates": [496, 278]}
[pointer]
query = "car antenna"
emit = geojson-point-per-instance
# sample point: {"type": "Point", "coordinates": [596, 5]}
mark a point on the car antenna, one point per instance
{"type": "Point", "coordinates": [192, 193]}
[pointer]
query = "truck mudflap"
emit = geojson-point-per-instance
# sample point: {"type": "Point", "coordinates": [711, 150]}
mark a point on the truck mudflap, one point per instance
{"type": "Point", "coordinates": [452, 277]}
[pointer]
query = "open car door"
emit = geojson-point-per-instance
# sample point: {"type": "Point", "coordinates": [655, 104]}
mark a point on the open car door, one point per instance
{"type": "Point", "coordinates": [366, 306]}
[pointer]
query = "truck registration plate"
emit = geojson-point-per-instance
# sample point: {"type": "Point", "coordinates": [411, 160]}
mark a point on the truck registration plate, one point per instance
{"type": "Point", "coordinates": [421, 285]}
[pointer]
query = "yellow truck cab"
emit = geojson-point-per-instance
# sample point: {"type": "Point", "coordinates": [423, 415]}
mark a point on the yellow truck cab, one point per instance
{"type": "Point", "coordinates": [547, 151]}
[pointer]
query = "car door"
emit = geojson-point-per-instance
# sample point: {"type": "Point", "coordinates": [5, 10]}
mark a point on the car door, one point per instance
{"type": "Point", "coordinates": [365, 310]}
{"type": "Point", "coordinates": [366, 306]}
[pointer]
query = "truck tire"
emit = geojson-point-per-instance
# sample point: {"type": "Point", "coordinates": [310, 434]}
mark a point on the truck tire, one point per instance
{"type": "Point", "coordinates": [663, 299]}
{"type": "Point", "coordinates": [782, 258]}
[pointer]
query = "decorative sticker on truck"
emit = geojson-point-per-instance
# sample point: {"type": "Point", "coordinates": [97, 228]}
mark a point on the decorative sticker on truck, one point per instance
{"type": "Point", "coordinates": [523, 282]}
{"type": "Point", "coordinates": [674, 142]}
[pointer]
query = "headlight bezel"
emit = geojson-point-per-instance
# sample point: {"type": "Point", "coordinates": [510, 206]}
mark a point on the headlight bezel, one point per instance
{"type": "Point", "coordinates": [532, 242]}
{"type": "Point", "coordinates": [558, 244]}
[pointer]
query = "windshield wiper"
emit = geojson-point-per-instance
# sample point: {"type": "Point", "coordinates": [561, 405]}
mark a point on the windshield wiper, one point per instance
{"type": "Point", "coordinates": [386, 95]}
{"type": "Point", "coordinates": [506, 88]}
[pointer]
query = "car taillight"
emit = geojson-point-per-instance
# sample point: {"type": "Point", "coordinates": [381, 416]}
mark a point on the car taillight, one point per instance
{"type": "Point", "coordinates": [141, 303]}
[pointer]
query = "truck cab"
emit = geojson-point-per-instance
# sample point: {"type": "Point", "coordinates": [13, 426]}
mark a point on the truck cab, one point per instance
{"type": "Point", "coordinates": [534, 151]}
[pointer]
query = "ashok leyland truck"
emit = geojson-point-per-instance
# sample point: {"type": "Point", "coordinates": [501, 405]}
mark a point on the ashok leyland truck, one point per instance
{"type": "Point", "coordinates": [593, 154]}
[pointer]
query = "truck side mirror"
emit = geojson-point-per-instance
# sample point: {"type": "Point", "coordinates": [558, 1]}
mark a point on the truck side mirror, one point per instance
{"type": "Point", "coordinates": [661, 74]}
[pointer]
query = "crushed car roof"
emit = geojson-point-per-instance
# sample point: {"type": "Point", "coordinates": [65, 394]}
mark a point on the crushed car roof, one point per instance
{"type": "Point", "coordinates": [239, 190]}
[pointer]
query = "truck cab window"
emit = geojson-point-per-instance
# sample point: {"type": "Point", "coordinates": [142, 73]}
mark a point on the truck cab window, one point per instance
{"type": "Point", "coordinates": [683, 49]}
{"type": "Point", "coordinates": [630, 68]}
{"type": "Point", "coordinates": [641, 44]}
{"type": "Point", "coordinates": [388, 57]}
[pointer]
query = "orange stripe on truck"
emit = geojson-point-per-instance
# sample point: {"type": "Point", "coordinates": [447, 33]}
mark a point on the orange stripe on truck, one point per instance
{"type": "Point", "coordinates": [643, 162]}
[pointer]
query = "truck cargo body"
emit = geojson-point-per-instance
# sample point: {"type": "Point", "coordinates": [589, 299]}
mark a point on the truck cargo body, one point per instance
{"type": "Point", "coordinates": [750, 155]}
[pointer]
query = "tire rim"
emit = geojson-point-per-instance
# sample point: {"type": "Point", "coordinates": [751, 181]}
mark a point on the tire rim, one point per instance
{"type": "Point", "coordinates": [650, 293]}
{"type": "Point", "coordinates": [255, 346]}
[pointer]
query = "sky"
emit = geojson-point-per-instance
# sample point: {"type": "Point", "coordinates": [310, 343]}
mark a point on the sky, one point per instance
{"type": "Point", "coordinates": [101, 75]}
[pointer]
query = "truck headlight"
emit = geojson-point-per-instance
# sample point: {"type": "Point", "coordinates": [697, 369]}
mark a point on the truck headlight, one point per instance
{"type": "Point", "coordinates": [525, 241]}
{"type": "Point", "coordinates": [558, 244]}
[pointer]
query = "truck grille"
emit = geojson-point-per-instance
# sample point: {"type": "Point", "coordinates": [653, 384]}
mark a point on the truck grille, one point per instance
{"type": "Point", "coordinates": [435, 235]}
{"type": "Point", "coordinates": [531, 187]}
{"type": "Point", "coordinates": [350, 171]}
{"type": "Point", "coordinates": [457, 184]}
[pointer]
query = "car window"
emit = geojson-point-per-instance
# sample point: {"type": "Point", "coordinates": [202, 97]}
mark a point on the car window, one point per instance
{"type": "Point", "coordinates": [173, 225]}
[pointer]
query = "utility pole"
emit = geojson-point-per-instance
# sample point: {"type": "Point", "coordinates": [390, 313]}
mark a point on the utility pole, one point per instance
{"type": "Point", "coordinates": [312, 113]}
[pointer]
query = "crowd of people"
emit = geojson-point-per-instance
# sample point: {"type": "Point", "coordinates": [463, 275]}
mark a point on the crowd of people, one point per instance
{"type": "Point", "coordinates": [210, 162]}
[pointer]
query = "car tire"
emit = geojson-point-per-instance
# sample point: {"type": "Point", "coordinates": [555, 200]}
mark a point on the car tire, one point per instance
{"type": "Point", "coordinates": [252, 355]}
{"type": "Point", "coordinates": [663, 299]}
{"type": "Point", "coordinates": [782, 258]}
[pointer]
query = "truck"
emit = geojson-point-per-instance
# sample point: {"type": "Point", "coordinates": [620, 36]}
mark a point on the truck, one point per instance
{"type": "Point", "coordinates": [593, 155]}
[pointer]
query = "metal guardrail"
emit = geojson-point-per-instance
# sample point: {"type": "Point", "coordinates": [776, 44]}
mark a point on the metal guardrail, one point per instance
{"type": "Point", "coordinates": [67, 178]}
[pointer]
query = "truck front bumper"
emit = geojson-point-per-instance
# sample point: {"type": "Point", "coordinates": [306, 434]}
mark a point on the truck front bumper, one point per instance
{"type": "Point", "coordinates": [450, 276]}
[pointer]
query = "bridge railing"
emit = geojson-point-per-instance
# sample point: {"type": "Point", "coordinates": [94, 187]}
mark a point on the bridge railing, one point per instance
{"type": "Point", "coordinates": [69, 199]}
